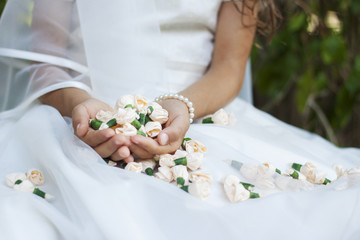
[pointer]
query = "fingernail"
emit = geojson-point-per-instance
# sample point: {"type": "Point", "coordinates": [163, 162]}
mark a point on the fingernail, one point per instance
{"type": "Point", "coordinates": [164, 138]}
{"type": "Point", "coordinates": [77, 128]}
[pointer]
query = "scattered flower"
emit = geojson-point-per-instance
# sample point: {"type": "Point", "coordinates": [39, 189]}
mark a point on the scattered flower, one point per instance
{"type": "Point", "coordinates": [12, 178]}
{"type": "Point", "coordinates": [134, 167]}
{"type": "Point", "coordinates": [235, 191]}
{"type": "Point", "coordinates": [201, 190]}
{"type": "Point", "coordinates": [194, 160]}
{"type": "Point", "coordinates": [200, 177]}
{"type": "Point", "coordinates": [165, 173]}
{"type": "Point", "coordinates": [192, 146]}
{"type": "Point", "coordinates": [35, 176]}
{"type": "Point", "coordinates": [180, 171]}
{"type": "Point", "coordinates": [153, 129]}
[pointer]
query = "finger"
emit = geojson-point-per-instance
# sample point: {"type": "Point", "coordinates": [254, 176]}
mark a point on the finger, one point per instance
{"type": "Point", "coordinates": [80, 118]}
{"type": "Point", "coordinates": [95, 138]}
{"type": "Point", "coordinates": [152, 146]}
{"type": "Point", "coordinates": [129, 159]}
{"type": "Point", "coordinates": [111, 146]}
{"type": "Point", "coordinates": [174, 132]}
{"type": "Point", "coordinates": [121, 153]}
{"type": "Point", "coordinates": [140, 152]}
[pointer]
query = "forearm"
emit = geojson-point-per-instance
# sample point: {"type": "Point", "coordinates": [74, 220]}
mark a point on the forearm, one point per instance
{"type": "Point", "coordinates": [64, 100]}
{"type": "Point", "coordinates": [223, 81]}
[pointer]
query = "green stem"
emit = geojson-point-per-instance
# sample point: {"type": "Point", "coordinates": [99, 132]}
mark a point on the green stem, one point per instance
{"type": "Point", "coordinates": [278, 171]}
{"type": "Point", "coordinates": [181, 161]}
{"type": "Point", "coordinates": [254, 195]}
{"type": "Point", "coordinates": [141, 133]}
{"type": "Point", "coordinates": [136, 124]}
{"type": "Point", "coordinates": [129, 106]}
{"type": "Point", "coordinates": [111, 122]}
{"type": "Point", "coordinates": [185, 188]}
{"type": "Point", "coordinates": [327, 181]}
{"type": "Point", "coordinates": [207, 120]}
{"type": "Point", "coordinates": [18, 182]}
{"type": "Point", "coordinates": [95, 124]}
{"type": "Point", "coordinates": [180, 181]}
{"type": "Point", "coordinates": [296, 166]}
{"type": "Point", "coordinates": [39, 192]}
{"type": "Point", "coordinates": [142, 118]}
{"type": "Point", "coordinates": [149, 172]}
{"type": "Point", "coordinates": [247, 185]}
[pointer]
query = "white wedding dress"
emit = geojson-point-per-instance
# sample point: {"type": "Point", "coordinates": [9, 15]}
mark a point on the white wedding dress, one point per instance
{"type": "Point", "coordinates": [96, 201]}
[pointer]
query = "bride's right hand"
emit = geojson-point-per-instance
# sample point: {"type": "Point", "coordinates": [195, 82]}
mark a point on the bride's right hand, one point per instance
{"type": "Point", "coordinates": [105, 142]}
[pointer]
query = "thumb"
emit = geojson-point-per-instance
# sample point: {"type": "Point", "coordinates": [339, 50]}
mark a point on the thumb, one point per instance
{"type": "Point", "coordinates": [175, 132]}
{"type": "Point", "coordinates": [80, 118]}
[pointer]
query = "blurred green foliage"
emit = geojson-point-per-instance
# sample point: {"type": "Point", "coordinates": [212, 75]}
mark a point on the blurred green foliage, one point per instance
{"type": "Point", "coordinates": [2, 5]}
{"type": "Point", "coordinates": [309, 75]}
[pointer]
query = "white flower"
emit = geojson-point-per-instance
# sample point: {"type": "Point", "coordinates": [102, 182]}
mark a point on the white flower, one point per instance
{"type": "Point", "coordinates": [195, 146]}
{"type": "Point", "coordinates": [340, 171]}
{"type": "Point", "coordinates": [13, 177]}
{"type": "Point", "coordinates": [194, 160]}
{"type": "Point", "coordinates": [153, 129]}
{"type": "Point", "coordinates": [220, 117]}
{"type": "Point", "coordinates": [25, 186]}
{"type": "Point", "coordinates": [265, 183]}
{"type": "Point", "coordinates": [353, 171]}
{"type": "Point", "coordinates": [200, 189]}
{"type": "Point", "coordinates": [166, 160]}
{"type": "Point", "coordinates": [312, 174]}
{"type": "Point", "coordinates": [148, 164]}
{"type": "Point", "coordinates": [266, 170]}
{"type": "Point", "coordinates": [232, 119]}
{"type": "Point", "coordinates": [249, 171]}
{"type": "Point", "coordinates": [165, 173]}
{"type": "Point", "coordinates": [125, 100]}
{"type": "Point", "coordinates": [134, 167]}
{"type": "Point", "coordinates": [159, 115]}
{"type": "Point", "coordinates": [104, 116]}
{"type": "Point", "coordinates": [127, 115]}
{"type": "Point", "coordinates": [127, 130]}
{"type": "Point", "coordinates": [198, 176]}
{"type": "Point", "coordinates": [180, 171]}
{"type": "Point", "coordinates": [235, 191]}
{"type": "Point", "coordinates": [112, 163]}
{"type": "Point", "coordinates": [141, 103]}
{"type": "Point", "coordinates": [154, 105]}
{"type": "Point", "coordinates": [180, 154]}
{"type": "Point", "coordinates": [35, 176]}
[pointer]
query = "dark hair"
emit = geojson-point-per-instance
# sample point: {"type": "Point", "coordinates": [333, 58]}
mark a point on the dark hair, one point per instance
{"type": "Point", "coordinates": [265, 13]}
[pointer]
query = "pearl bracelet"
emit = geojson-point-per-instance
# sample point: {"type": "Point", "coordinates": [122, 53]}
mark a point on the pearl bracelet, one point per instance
{"type": "Point", "coordinates": [185, 100]}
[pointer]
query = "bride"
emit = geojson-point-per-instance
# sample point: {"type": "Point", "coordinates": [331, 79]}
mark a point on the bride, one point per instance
{"type": "Point", "coordinates": [80, 56]}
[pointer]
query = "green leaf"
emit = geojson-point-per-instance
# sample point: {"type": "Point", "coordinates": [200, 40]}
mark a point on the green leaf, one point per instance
{"type": "Point", "coordinates": [297, 22]}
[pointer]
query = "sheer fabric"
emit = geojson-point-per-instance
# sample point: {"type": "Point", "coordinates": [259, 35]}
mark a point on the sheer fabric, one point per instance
{"type": "Point", "coordinates": [95, 201]}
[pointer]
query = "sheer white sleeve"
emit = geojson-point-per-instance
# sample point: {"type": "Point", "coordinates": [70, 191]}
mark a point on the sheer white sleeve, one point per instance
{"type": "Point", "coordinates": [41, 50]}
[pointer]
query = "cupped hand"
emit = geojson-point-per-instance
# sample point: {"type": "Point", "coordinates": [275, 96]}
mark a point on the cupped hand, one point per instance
{"type": "Point", "coordinates": [170, 138]}
{"type": "Point", "coordinates": [105, 142]}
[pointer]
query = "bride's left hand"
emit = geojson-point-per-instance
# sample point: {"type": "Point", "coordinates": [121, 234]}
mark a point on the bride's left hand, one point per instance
{"type": "Point", "coordinates": [170, 138]}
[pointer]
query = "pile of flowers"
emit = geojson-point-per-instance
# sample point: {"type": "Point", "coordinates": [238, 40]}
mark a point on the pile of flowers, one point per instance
{"type": "Point", "coordinates": [133, 115]}
{"type": "Point", "coordinates": [182, 168]}
{"type": "Point", "coordinates": [28, 182]}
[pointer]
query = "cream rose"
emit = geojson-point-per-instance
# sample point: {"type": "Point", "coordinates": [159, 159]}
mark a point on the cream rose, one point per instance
{"type": "Point", "coordinates": [165, 173]}
{"type": "Point", "coordinates": [180, 154]}
{"type": "Point", "coordinates": [134, 167]}
{"type": "Point", "coordinates": [159, 115]}
{"type": "Point", "coordinates": [127, 130]}
{"type": "Point", "coordinates": [166, 160]}
{"type": "Point", "coordinates": [194, 160]}
{"type": "Point", "coordinates": [235, 191]}
{"type": "Point", "coordinates": [249, 171]}
{"type": "Point", "coordinates": [141, 103]}
{"type": "Point", "coordinates": [180, 171]}
{"type": "Point", "coordinates": [112, 163]}
{"type": "Point", "coordinates": [13, 177]}
{"type": "Point", "coordinates": [25, 186]}
{"type": "Point", "coordinates": [125, 100]}
{"type": "Point", "coordinates": [104, 116]}
{"type": "Point", "coordinates": [148, 164]}
{"type": "Point", "coordinates": [266, 170]}
{"type": "Point", "coordinates": [198, 176]}
{"type": "Point", "coordinates": [35, 176]}
{"type": "Point", "coordinates": [153, 129]}
{"type": "Point", "coordinates": [154, 105]}
{"type": "Point", "coordinates": [220, 117]}
{"type": "Point", "coordinates": [127, 115]}
{"type": "Point", "coordinates": [200, 190]}
{"type": "Point", "coordinates": [195, 146]}
{"type": "Point", "coordinates": [340, 171]}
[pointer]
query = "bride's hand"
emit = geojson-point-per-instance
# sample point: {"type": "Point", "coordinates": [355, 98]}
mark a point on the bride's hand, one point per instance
{"type": "Point", "coordinates": [170, 138]}
{"type": "Point", "coordinates": [105, 142]}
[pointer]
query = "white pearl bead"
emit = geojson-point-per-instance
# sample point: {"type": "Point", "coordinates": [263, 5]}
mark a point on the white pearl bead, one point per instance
{"type": "Point", "coordinates": [189, 104]}
{"type": "Point", "coordinates": [176, 95]}
{"type": "Point", "coordinates": [186, 100]}
{"type": "Point", "coordinates": [191, 121]}
{"type": "Point", "coordinates": [191, 110]}
{"type": "Point", "coordinates": [171, 95]}
{"type": "Point", "coordinates": [181, 98]}
{"type": "Point", "coordinates": [191, 115]}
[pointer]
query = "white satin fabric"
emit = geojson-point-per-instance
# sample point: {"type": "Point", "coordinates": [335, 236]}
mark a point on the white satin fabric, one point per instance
{"type": "Point", "coordinates": [95, 201]}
